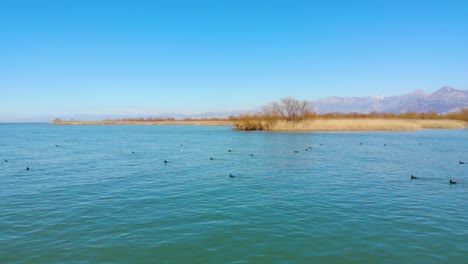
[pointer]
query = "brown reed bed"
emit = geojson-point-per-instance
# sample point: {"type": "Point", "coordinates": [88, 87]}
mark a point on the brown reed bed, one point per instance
{"type": "Point", "coordinates": [277, 124]}
{"type": "Point", "coordinates": [349, 124]}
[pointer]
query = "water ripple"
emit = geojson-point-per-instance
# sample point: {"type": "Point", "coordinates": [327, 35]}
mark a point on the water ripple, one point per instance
{"type": "Point", "coordinates": [91, 200]}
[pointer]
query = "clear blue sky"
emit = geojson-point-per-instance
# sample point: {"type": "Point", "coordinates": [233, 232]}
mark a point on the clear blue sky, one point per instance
{"type": "Point", "coordinates": [73, 57]}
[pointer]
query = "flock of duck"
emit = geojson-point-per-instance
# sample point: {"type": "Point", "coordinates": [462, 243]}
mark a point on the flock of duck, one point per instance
{"type": "Point", "coordinates": [211, 158]}
{"type": "Point", "coordinates": [412, 177]}
{"type": "Point", "coordinates": [450, 181]}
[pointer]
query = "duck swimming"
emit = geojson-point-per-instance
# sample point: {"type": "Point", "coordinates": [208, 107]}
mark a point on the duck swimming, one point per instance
{"type": "Point", "coordinates": [413, 177]}
{"type": "Point", "coordinates": [452, 182]}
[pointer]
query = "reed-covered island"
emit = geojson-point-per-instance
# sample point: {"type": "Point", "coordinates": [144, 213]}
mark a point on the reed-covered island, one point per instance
{"type": "Point", "coordinates": [289, 114]}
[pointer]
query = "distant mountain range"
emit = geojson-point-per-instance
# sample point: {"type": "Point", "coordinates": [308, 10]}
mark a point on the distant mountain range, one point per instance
{"type": "Point", "coordinates": [223, 114]}
{"type": "Point", "coordinates": [444, 100]}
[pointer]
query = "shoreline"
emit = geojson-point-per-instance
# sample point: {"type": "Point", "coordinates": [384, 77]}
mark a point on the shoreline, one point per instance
{"type": "Point", "coordinates": [315, 125]}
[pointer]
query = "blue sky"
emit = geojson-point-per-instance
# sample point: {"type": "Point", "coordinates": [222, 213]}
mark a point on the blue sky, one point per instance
{"type": "Point", "coordinates": [61, 58]}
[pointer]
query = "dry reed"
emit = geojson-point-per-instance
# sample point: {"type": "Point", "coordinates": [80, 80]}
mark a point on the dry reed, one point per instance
{"type": "Point", "coordinates": [353, 125]}
{"type": "Point", "coordinates": [317, 124]}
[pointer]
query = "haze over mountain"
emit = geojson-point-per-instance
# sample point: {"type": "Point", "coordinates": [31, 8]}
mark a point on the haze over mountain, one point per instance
{"type": "Point", "coordinates": [444, 100]}
{"type": "Point", "coordinates": [223, 114]}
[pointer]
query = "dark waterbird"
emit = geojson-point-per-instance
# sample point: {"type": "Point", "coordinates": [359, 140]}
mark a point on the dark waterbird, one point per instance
{"type": "Point", "coordinates": [211, 158]}
{"type": "Point", "coordinates": [296, 151]}
{"type": "Point", "coordinates": [229, 150]}
{"type": "Point", "coordinates": [27, 168]}
{"type": "Point", "coordinates": [56, 145]}
{"type": "Point", "coordinates": [165, 161]}
{"type": "Point", "coordinates": [231, 176]}
{"type": "Point", "coordinates": [452, 182]}
{"type": "Point", "coordinates": [133, 152]}
{"type": "Point", "coordinates": [6, 160]}
{"type": "Point", "coordinates": [413, 177]}
{"type": "Point", "coordinates": [251, 155]}
{"type": "Point", "coordinates": [461, 162]}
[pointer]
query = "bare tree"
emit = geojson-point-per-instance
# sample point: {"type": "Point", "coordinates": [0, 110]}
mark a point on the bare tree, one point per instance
{"type": "Point", "coordinates": [289, 108]}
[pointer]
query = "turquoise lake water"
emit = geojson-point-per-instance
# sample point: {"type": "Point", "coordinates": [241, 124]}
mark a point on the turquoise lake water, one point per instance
{"type": "Point", "coordinates": [90, 200]}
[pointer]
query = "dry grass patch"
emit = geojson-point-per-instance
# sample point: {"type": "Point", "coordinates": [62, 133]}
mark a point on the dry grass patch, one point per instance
{"type": "Point", "coordinates": [347, 125]}
{"type": "Point", "coordinates": [351, 125]}
{"type": "Point", "coordinates": [441, 124]}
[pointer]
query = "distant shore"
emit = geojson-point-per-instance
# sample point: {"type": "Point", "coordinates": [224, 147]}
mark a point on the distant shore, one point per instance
{"type": "Point", "coordinates": [147, 122]}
